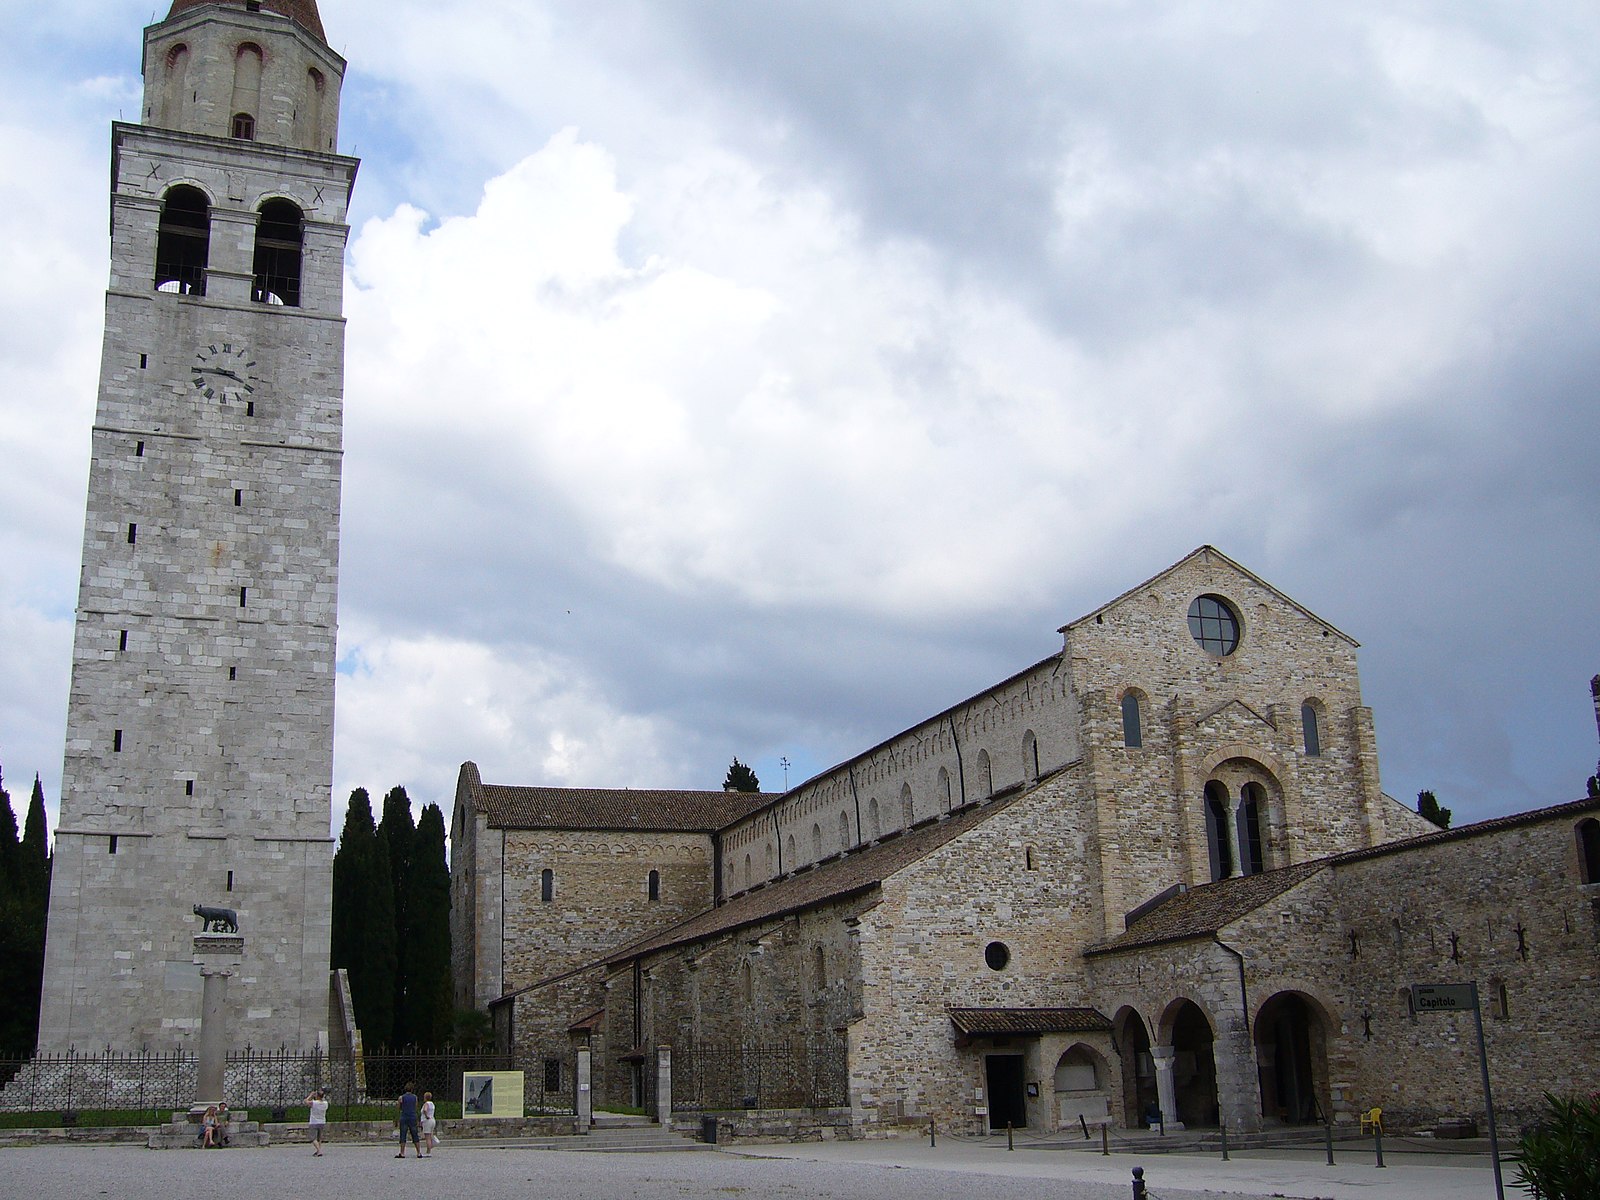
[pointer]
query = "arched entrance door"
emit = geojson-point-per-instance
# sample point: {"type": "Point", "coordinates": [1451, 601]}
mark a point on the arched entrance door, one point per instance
{"type": "Point", "coordinates": [1291, 1052]}
{"type": "Point", "coordinates": [1194, 1069]}
{"type": "Point", "coordinates": [1138, 1067]}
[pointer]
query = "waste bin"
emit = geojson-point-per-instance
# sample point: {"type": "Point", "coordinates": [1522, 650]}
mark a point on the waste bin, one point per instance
{"type": "Point", "coordinates": [708, 1130]}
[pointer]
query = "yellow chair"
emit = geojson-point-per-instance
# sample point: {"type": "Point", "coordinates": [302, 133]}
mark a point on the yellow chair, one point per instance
{"type": "Point", "coordinates": [1372, 1121]}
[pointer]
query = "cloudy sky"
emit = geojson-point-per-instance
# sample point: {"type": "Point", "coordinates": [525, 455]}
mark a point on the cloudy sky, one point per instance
{"type": "Point", "coordinates": [755, 379]}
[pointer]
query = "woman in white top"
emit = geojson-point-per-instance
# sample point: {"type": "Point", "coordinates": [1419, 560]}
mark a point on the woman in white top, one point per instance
{"type": "Point", "coordinates": [318, 1101]}
{"type": "Point", "coordinates": [428, 1124]}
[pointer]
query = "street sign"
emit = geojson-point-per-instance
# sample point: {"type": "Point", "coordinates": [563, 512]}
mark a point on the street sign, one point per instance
{"type": "Point", "coordinates": [1443, 997]}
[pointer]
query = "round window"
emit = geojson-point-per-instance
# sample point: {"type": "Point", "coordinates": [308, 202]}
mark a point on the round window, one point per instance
{"type": "Point", "coordinates": [1215, 625]}
{"type": "Point", "coordinates": [997, 955]}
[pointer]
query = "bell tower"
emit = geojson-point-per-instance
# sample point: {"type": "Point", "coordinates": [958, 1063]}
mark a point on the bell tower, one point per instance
{"type": "Point", "coordinates": [199, 753]}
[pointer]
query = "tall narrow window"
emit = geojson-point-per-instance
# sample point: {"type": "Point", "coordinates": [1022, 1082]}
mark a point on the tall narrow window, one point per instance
{"type": "Point", "coordinates": [547, 885]}
{"type": "Point", "coordinates": [985, 775]}
{"type": "Point", "coordinates": [874, 821]}
{"type": "Point", "coordinates": [1030, 755]}
{"type": "Point", "coordinates": [1251, 855]}
{"type": "Point", "coordinates": [747, 875]}
{"type": "Point", "coordinates": [183, 242]}
{"type": "Point", "coordinates": [174, 87]}
{"type": "Point", "coordinates": [1217, 830]}
{"type": "Point", "coordinates": [944, 789]}
{"type": "Point", "coordinates": [116, 741]}
{"type": "Point", "coordinates": [133, 533]}
{"type": "Point", "coordinates": [1589, 851]}
{"type": "Point", "coordinates": [280, 236]}
{"type": "Point", "coordinates": [122, 639]}
{"type": "Point", "coordinates": [308, 113]}
{"type": "Point", "coordinates": [1132, 733]}
{"type": "Point", "coordinates": [655, 885]}
{"type": "Point", "coordinates": [844, 831]}
{"type": "Point", "coordinates": [246, 90]}
{"type": "Point", "coordinates": [1308, 722]}
{"type": "Point", "coordinates": [816, 841]}
{"type": "Point", "coordinates": [908, 808]}
{"type": "Point", "coordinates": [819, 967]}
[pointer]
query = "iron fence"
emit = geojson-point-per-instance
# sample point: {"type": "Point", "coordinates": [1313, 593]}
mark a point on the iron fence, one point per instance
{"type": "Point", "coordinates": [712, 1076]}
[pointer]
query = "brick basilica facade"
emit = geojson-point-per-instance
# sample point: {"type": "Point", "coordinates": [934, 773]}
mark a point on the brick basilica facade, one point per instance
{"type": "Point", "coordinates": [1154, 870]}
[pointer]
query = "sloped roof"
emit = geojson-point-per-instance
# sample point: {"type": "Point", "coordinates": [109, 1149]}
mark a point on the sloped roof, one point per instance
{"type": "Point", "coordinates": [650, 810]}
{"type": "Point", "coordinates": [834, 879]}
{"type": "Point", "coordinates": [1209, 552]}
{"type": "Point", "coordinates": [989, 1022]}
{"type": "Point", "coordinates": [1202, 911]}
{"type": "Point", "coordinates": [303, 12]}
{"type": "Point", "coordinates": [1477, 829]}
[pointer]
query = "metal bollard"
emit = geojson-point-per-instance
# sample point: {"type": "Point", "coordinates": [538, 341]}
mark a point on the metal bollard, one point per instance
{"type": "Point", "coordinates": [1105, 1139]}
{"type": "Point", "coordinates": [1009, 1144]}
{"type": "Point", "coordinates": [1139, 1192]}
{"type": "Point", "coordinates": [1377, 1142]}
{"type": "Point", "coordinates": [1224, 1126]}
{"type": "Point", "coordinates": [1327, 1137]}
{"type": "Point", "coordinates": [932, 1137]}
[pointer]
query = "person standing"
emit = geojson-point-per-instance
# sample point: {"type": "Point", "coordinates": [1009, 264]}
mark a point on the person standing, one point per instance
{"type": "Point", "coordinates": [429, 1123]}
{"type": "Point", "coordinates": [408, 1121]}
{"type": "Point", "coordinates": [318, 1103]}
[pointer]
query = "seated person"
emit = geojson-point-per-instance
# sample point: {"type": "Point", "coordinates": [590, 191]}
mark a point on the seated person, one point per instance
{"type": "Point", "coordinates": [1152, 1114]}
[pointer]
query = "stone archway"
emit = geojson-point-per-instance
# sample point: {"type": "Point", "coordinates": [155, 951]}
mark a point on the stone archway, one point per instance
{"type": "Point", "coordinates": [1137, 1066]}
{"type": "Point", "coordinates": [1194, 1066]}
{"type": "Point", "coordinates": [1291, 1042]}
{"type": "Point", "coordinates": [1082, 1087]}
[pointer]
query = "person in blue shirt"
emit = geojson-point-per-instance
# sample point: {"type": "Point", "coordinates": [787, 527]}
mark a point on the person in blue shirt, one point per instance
{"type": "Point", "coordinates": [408, 1121]}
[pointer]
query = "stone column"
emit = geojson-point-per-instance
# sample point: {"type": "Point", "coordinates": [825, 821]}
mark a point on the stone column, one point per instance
{"type": "Point", "coordinates": [1166, 1090]}
{"type": "Point", "coordinates": [1236, 839]}
{"type": "Point", "coordinates": [583, 1096]}
{"type": "Point", "coordinates": [664, 1086]}
{"type": "Point", "coordinates": [219, 956]}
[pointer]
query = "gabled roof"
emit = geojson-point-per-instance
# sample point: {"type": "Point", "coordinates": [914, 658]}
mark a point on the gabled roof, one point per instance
{"type": "Point", "coordinates": [1208, 553]}
{"type": "Point", "coordinates": [1202, 911]}
{"type": "Point", "coordinates": [650, 810]}
{"type": "Point", "coordinates": [835, 879]}
{"type": "Point", "coordinates": [304, 12]}
{"type": "Point", "coordinates": [991, 1022]}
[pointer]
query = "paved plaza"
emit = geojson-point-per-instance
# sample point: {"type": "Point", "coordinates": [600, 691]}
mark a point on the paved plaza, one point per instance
{"type": "Point", "coordinates": [876, 1170]}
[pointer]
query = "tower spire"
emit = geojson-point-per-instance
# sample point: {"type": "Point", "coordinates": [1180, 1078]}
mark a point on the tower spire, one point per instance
{"type": "Point", "coordinates": [302, 11]}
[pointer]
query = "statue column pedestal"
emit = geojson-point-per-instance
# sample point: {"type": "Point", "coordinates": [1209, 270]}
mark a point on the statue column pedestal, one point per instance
{"type": "Point", "coordinates": [1166, 1088]}
{"type": "Point", "coordinates": [219, 957]}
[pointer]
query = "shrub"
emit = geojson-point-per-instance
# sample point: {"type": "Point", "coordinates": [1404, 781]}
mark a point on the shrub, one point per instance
{"type": "Point", "coordinates": [1559, 1158]}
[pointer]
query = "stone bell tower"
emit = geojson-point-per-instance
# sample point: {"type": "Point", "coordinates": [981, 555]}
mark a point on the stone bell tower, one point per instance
{"type": "Point", "coordinates": [199, 754]}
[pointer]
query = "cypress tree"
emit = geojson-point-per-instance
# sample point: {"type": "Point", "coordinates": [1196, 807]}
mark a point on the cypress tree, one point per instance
{"type": "Point", "coordinates": [397, 827]}
{"type": "Point", "coordinates": [429, 996]}
{"type": "Point", "coordinates": [362, 936]}
{"type": "Point", "coordinates": [35, 857]}
{"type": "Point", "coordinates": [11, 885]}
{"type": "Point", "coordinates": [379, 967]}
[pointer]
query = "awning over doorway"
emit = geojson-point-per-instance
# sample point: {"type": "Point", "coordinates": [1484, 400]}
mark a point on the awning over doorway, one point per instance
{"type": "Point", "coordinates": [1012, 1022]}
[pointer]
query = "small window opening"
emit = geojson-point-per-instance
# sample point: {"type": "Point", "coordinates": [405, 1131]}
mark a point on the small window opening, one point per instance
{"type": "Point", "coordinates": [243, 594]}
{"type": "Point", "coordinates": [1030, 860]}
{"type": "Point", "coordinates": [996, 955]}
{"type": "Point", "coordinates": [183, 242]}
{"type": "Point", "coordinates": [552, 1075]}
{"type": "Point", "coordinates": [819, 968]}
{"type": "Point", "coordinates": [1501, 1002]}
{"type": "Point", "coordinates": [244, 127]}
{"type": "Point", "coordinates": [280, 237]}
{"type": "Point", "coordinates": [188, 787]}
{"type": "Point", "coordinates": [111, 844]}
{"type": "Point", "coordinates": [116, 741]}
{"type": "Point", "coordinates": [249, 408]}
{"type": "Point", "coordinates": [238, 497]}
{"type": "Point", "coordinates": [1308, 722]}
{"type": "Point", "coordinates": [138, 449]}
{"type": "Point", "coordinates": [1221, 854]}
{"type": "Point", "coordinates": [133, 533]}
{"type": "Point", "coordinates": [547, 885]}
{"type": "Point", "coordinates": [233, 673]}
{"type": "Point", "coordinates": [230, 881]}
{"type": "Point", "coordinates": [144, 361]}
{"type": "Point", "coordinates": [1132, 733]}
{"type": "Point", "coordinates": [122, 639]}
{"type": "Point", "coordinates": [655, 885]}
{"type": "Point", "coordinates": [1589, 851]}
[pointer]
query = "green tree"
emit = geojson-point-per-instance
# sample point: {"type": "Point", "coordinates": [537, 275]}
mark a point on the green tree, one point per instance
{"type": "Point", "coordinates": [1428, 808]}
{"type": "Point", "coordinates": [1559, 1158]}
{"type": "Point", "coordinates": [397, 829]}
{"type": "Point", "coordinates": [428, 1014]}
{"type": "Point", "coordinates": [740, 778]}
{"type": "Point", "coordinates": [22, 922]}
{"type": "Point", "coordinates": [35, 864]}
{"type": "Point", "coordinates": [363, 934]}
{"type": "Point", "coordinates": [10, 849]}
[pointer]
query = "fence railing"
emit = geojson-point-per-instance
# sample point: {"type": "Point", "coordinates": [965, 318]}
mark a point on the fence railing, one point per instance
{"type": "Point", "coordinates": [267, 1080]}
{"type": "Point", "coordinates": [710, 1076]}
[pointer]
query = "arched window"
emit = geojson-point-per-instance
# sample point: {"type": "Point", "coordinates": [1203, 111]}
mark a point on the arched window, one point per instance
{"type": "Point", "coordinates": [243, 128]}
{"type": "Point", "coordinates": [183, 242]}
{"type": "Point", "coordinates": [789, 846]}
{"type": "Point", "coordinates": [246, 89]}
{"type": "Point", "coordinates": [1217, 830]}
{"type": "Point", "coordinates": [985, 776]}
{"type": "Point", "coordinates": [874, 822]}
{"type": "Point", "coordinates": [547, 885]}
{"type": "Point", "coordinates": [1589, 850]}
{"type": "Point", "coordinates": [655, 885]}
{"type": "Point", "coordinates": [308, 113]}
{"type": "Point", "coordinates": [816, 841]}
{"type": "Point", "coordinates": [1251, 855]}
{"type": "Point", "coordinates": [280, 235]}
{"type": "Point", "coordinates": [944, 789]}
{"type": "Point", "coordinates": [844, 831]}
{"type": "Point", "coordinates": [747, 984]}
{"type": "Point", "coordinates": [1030, 755]}
{"type": "Point", "coordinates": [768, 861]}
{"type": "Point", "coordinates": [175, 88]}
{"type": "Point", "coordinates": [1313, 735]}
{"type": "Point", "coordinates": [819, 968]}
{"type": "Point", "coordinates": [747, 875]}
{"type": "Point", "coordinates": [908, 810]}
{"type": "Point", "coordinates": [1132, 733]}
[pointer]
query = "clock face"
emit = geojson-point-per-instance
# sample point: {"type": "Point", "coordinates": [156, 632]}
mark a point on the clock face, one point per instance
{"type": "Point", "coordinates": [224, 371]}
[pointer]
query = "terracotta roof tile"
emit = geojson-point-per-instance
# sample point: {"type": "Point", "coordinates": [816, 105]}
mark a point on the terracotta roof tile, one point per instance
{"type": "Point", "coordinates": [648, 809]}
{"type": "Point", "coordinates": [1493, 825]}
{"type": "Point", "coordinates": [988, 1022]}
{"type": "Point", "coordinates": [302, 11]}
{"type": "Point", "coordinates": [1202, 911]}
{"type": "Point", "coordinates": [832, 880]}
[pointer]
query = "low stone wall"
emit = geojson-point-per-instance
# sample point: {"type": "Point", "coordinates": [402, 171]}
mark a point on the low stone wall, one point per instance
{"type": "Point", "coordinates": [771, 1124]}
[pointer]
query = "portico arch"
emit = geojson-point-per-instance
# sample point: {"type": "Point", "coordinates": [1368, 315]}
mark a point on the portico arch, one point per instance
{"type": "Point", "coordinates": [1189, 1033]}
{"type": "Point", "coordinates": [1291, 1043]}
{"type": "Point", "coordinates": [1132, 1040]}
